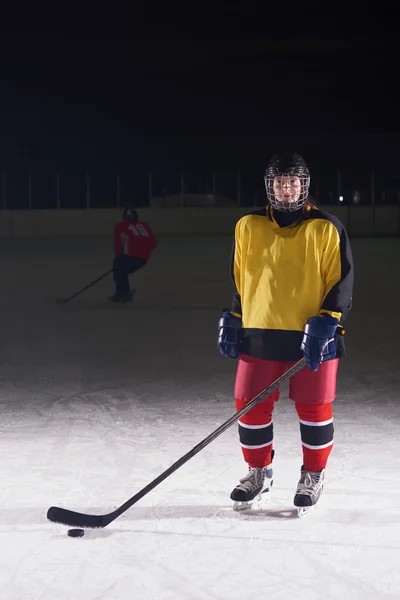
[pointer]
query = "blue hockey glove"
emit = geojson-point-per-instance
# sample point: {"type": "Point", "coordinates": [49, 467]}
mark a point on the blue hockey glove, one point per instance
{"type": "Point", "coordinates": [229, 334]}
{"type": "Point", "coordinates": [318, 343]}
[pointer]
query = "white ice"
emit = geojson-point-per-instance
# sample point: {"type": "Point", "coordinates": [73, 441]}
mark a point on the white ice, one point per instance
{"type": "Point", "coordinates": [98, 400]}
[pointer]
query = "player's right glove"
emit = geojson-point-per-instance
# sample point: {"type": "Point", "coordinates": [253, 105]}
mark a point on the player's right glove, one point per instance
{"type": "Point", "coordinates": [229, 334]}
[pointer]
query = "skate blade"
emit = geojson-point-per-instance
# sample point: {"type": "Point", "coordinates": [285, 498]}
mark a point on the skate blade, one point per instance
{"type": "Point", "coordinates": [260, 502]}
{"type": "Point", "coordinates": [303, 511]}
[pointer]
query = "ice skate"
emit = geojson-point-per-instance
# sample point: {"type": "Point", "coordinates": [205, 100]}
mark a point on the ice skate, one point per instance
{"type": "Point", "coordinates": [309, 490]}
{"type": "Point", "coordinates": [254, 489]}
{"type": "Point", "coordinates": [127, 298]}
{"type": "Point", "coordinates": [123, 299]}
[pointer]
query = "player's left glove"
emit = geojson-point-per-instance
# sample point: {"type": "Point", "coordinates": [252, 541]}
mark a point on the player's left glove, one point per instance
{"type": "Point", "coordinates": [318, 343]}
{"type": "Point", "coordinates": [229, 334]}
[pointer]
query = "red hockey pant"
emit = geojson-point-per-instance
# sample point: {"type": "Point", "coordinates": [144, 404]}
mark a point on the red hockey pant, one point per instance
{"type": "Point", "coordinates": [312, 393]}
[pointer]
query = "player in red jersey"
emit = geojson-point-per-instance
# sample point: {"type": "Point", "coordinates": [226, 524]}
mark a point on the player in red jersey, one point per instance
{"type": "Point", "coordinates": [134, 242]}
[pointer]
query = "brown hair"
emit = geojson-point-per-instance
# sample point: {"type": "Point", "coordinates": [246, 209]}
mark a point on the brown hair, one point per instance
{"type": "Point", "coordinates": [310, 204]}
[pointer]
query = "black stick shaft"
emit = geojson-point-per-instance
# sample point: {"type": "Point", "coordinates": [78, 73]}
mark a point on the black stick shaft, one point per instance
{"type": "Point", "coordinates": [87, 286]}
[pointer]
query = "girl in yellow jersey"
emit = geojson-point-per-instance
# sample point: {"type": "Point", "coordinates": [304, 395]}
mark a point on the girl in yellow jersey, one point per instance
{"type": "Point", "coordinates": [292, 271]}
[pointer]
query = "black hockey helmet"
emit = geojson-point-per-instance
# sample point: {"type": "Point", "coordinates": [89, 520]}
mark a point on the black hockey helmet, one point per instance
{"type": "Point", "coordinates": [289, 168]}
{"type": "Point", "coordinates": [130, 213]}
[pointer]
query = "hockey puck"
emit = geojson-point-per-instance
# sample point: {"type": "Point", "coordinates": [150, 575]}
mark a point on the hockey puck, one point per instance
{"type": "Point", "coordinates": [76, 532]}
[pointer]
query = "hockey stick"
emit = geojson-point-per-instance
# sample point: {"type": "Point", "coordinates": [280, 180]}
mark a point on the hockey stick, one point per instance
{"type": "Point", "coordinates": [85, 288]}
{"type": "Point", "coordinates": [76, 519]}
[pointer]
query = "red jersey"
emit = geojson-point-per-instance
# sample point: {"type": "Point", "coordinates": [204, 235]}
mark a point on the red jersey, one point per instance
{"type": "Point", "coordinates": [134, 238]}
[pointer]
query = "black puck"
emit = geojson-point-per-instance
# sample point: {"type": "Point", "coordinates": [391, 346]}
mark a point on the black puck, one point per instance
{"type": "Point", "coordinates": [76, 532]}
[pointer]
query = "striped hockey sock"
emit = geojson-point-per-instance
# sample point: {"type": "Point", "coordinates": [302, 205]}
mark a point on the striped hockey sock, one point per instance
{"type": "Point", "coordinates": [316, 429]}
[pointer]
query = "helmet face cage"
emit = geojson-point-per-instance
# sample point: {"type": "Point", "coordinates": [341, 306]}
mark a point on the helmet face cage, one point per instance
{"type": "Point", "coordinates": [287, 183]}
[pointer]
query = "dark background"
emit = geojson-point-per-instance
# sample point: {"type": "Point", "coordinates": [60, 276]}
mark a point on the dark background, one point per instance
{"type": "Point", "coordinates": [130, 88]}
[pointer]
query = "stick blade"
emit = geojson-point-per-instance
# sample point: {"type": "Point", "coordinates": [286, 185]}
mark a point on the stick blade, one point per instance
{"type": "Point", "coordinates": [76, 519]}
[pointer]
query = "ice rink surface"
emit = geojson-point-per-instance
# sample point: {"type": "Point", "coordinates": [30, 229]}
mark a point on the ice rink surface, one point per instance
{"type": "Point", "coordinates": [97, 400]}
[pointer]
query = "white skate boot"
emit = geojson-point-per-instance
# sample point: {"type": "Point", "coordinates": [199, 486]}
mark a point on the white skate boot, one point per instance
{"type": "Point", "coordinates": [254, 489]}
{"type": "Point", "coordinates": [309, 490]}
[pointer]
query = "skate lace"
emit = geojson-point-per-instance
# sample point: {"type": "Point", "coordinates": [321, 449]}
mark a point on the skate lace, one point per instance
{"type": "Point", "coordinates": [253, 480]}
{"type": "Point", "coordinates": [309, 483]}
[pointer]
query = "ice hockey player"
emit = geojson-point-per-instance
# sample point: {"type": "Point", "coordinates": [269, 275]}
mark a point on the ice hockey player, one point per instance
{"type": "Point", "coordinates": [292, 271]}
{"type": "Point", "coordinates": [134, 242]}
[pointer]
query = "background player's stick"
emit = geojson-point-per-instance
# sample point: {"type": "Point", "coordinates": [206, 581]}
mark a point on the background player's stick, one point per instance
{"type": "Point", "coordinates": [64, 301]}
{"type": "Point", "coordinates": [77, 519]}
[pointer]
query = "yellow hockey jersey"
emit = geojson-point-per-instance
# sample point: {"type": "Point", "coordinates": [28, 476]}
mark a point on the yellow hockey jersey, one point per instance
{"type": "Point", "coordinates": [284, 275]}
